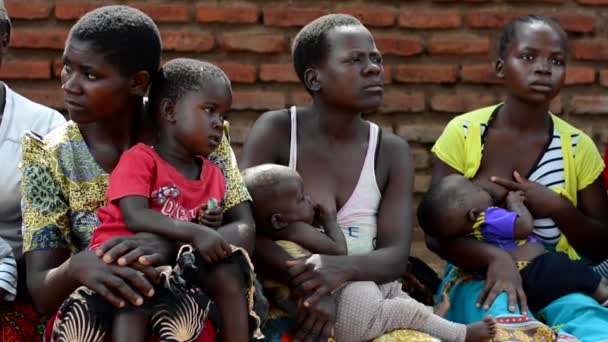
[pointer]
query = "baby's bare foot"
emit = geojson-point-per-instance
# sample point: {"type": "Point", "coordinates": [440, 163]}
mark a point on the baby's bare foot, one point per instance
{"type": "Point", "coordinates": [481, 331]}
{"type": "Point", "coordinates": [442, 307]}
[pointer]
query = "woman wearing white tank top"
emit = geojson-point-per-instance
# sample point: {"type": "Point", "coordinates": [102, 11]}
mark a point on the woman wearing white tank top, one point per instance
{"type": "Point", "coordinates": [345, 167]}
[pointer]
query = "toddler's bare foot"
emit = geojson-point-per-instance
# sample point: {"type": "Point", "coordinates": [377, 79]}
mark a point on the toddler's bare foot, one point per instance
{"type": "Point", "coordinates": [442, 307]}
{"type": "Point", "coordinates": [481, 331]}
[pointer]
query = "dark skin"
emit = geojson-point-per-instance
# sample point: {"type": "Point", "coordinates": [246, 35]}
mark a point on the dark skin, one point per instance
{"type": "Point", "coordinates": [533, 71]}
{"type": "Point", "coordinates": [107, 106]}
{"type": "Point", "coordinates": [332, 142]}
{"type": "Point", "coordinates": [5, 37]}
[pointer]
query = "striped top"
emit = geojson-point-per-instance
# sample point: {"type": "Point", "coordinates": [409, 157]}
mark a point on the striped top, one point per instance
{"type": "Point", "coordinates": [8, 271]}
{"type": "Point", "coordinates": [548, 171]}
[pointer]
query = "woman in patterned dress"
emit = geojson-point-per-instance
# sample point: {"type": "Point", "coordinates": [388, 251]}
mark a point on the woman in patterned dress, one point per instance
{"type": "Point", "coordinates": [110, 57]}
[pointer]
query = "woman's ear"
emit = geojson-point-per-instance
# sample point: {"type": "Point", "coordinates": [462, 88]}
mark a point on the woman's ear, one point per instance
{"type": "Point", "coordinates": [139, 83]}
{"type": "Point", "coordinates": [278, 222]}
{"type": "Point", "coordinates": [167, 110]}
{"type": "Point", "coordinates": [473, 214]}
{"type": "Point", "coordinates": [312, 79]}
{"type": "Point", "coordinates": [499, 68]}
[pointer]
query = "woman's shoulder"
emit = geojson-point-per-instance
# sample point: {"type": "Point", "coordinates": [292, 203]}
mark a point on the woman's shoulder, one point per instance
{"type": "Point", "coordinates": [35, 145]}
{"type": "Point", "coordinates": [274, 119]}
{"type": "Point", "coordinates": [564, 127]}
{"type": "Point", "coordinates": [480, 115]}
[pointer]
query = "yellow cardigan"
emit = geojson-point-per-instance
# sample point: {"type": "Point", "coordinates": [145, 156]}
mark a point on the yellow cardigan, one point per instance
{"type": "Point", "coordinates": [462, 151]}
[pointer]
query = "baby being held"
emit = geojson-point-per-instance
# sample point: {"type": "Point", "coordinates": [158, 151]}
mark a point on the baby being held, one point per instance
{"type": "Point", "coordinates": [456, 207]}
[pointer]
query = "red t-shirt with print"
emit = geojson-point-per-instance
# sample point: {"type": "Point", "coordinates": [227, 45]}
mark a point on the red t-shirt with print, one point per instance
{"type": "Point", "coordinates": [142, 172]}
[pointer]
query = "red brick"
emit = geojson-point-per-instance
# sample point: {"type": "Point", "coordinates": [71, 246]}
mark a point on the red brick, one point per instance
{"type": "Point", "coordinates": [278, 73]}
{"type": "Point", "coordinates": [604, 77]}
{"type": "Point", "coordinates": [542, 1]}
{"type": "Point", "coordinates": [51, 97]}
{"type": "Point", "coordinates": [425, 73]}
{"type": "Point", "coordinates": [38, 39]}
{"type": "Point", "coordinates": [579, 23]}
{"type": "Point", "coordinates": [421, 157]}
{"type": "Point", "coordinates": [258, 100]}
{"type": "Point", "coordinates": [421, 133]}
{"type": "Point", "coordinates": [589, 104]}
{"type": "Point", "coordinates": [490, 18]}
{"type": "Point", "coordinates": [580, 75]}
{"type": "Point", "coordinates": [388, 74]}
{"type": "Point", "coordinates": [24, 69]}
{"type": "Point", "coordinates": [20, 9]}
{"type": "Point", "coordinates": [239, 73]}
{"type": "Point", "coordinates": [291, 16]}
{"type": "Point", "coordinates": [195, 41]}
{"type": "Point", "coordinates": [425, 19]}
{"type": "Point", "coordinates": [398, 101]}
{"type": "Point", "coordinates": [232, 15]}
{"type": "Point", "coordinates": [592, 2]}
{"type": "Point", "coordinates": [162, 13]}
{"type": "Point", "coordinates": [56, 67]}
{"type": "Point", "coordinates": [421, 183]}
{"type": "Point", "coordinates": [300, 98]}
{"type": "Point", "coordinates": [461, 103]}
{"type": "Point", "coordinates": [594, 50]}
{"type": "Point", "coordinates": [68, 10]}
{"type": "Point", "coordinates": [482, 73]}
{"type": "Point", "coordinates": [371, 16]}
{"type": "Point", "coordinates": [398, 45]}
{"type": "Point", "coordinates": [259, 43]}
{"type": "Point", "coordinates": [459, 46]}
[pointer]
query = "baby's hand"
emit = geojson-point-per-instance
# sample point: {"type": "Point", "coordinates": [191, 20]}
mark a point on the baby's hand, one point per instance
{"type": "Point", "coordinates": [211, 215]}
{"type": "Point", "coordinates": [515, 197]}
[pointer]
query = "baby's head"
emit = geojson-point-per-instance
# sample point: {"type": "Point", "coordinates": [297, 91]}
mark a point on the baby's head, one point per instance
{"type": "Point", "coordinates": [278, 197]}
{"type": "Point", "coordinates": [190, 98]}
{"type": "Point", "coordinates": [452, 206]}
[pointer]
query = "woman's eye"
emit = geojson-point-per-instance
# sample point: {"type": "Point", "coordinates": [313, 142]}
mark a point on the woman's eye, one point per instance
{"type": "Point", "coordinates": [557, 62]}
{"type": "Point", "coordinates": [91, 77]}
{"type": "Point", "coordinates": [527, 57]}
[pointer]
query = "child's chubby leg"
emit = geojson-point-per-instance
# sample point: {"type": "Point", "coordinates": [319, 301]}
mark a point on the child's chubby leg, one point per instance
{"type": "Point", "coordinates": [366, 311]}
{"type": "Point", "coordinates": [131, 326]}
{"type": "Point", "coordinates": [225, 283]}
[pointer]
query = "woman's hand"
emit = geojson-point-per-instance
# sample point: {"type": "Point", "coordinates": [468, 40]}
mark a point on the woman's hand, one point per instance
{"type": "Point", "coordinates": [116, 284]}
{"type": "Point", "coordinates": [316, 276]}
{"type": "Point", "coordinates": [540, 200]}
{"type": "Point", "coordinates": [316, 322]}
{"type": "Point", "coordinates": [503, 275]}
{"type": "Point", "coordinates": [146, 249]}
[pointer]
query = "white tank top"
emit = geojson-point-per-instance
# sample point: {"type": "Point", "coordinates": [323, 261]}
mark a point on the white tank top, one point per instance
{"type": "Point", "coordinates": [358, 217]}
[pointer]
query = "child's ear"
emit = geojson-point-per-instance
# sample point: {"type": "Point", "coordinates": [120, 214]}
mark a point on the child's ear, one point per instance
{"type": "Point", "coordinates": [311, 79]}
{"type": "Point", "coordinates": [139, 83]}
{"type": "Point", "coordinates": [473, 214]}
{"type": "Point", "coordinates": [167, 110]}
{"type": "Point", "coordinates": [278, 222]}
{"type": "Point", "coordinates": [499, 68]}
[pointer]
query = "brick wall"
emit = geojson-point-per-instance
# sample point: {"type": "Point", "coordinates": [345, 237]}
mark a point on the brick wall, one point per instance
{"type": "Point", "coordinates": [438, 56]}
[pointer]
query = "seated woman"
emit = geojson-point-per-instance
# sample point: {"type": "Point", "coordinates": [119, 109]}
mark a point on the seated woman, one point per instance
{"type": "Point", "coordinates": [348, 165]}
{"type": "Point", "coordinates": [17, 114]}
{"type": "Point", "coordinates": [110, 57]}
{"type": "Point", "coordinates": [562, 186]}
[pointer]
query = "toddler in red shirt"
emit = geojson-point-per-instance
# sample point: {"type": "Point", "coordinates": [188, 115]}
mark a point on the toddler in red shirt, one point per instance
{"type": "Point", "coordinates": [165, 189]}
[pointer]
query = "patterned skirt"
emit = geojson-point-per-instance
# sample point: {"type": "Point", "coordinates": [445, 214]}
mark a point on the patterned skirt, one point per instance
{"type": "Point", "coordinates": [20, 321]}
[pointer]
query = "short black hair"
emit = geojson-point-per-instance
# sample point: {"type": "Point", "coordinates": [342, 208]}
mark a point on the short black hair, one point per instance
{"type": "Point", "coordinates": [181, 75]}
{"type": "Point", "coordinates": [5, 20]}
{"type": "Point", "coordinates": [509, 32]}
{"type": "Point", "coordinates": [262, 182]}
{"type": "Point", "coordinates": [126, 36]}
{"type": "Point", "coordinates": [436, 201]}
{"type": "Point", "coordinates": [310, 46]}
